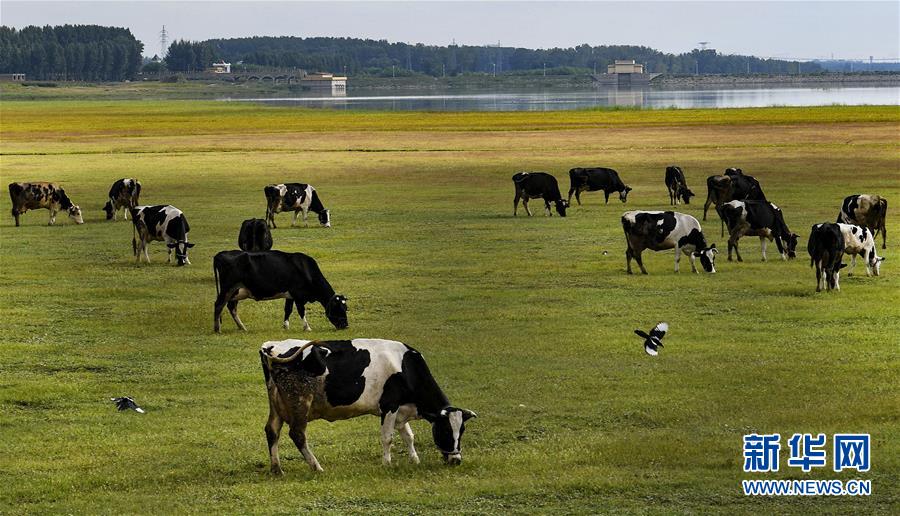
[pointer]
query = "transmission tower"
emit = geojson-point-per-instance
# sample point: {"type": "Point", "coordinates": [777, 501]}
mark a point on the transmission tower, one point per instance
{"type": "Point", "coordinates": [703, 44]}
{"type": "Point", "coordinates": [163, 42]}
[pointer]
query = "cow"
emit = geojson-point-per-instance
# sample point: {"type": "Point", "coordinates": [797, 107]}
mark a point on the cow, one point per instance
{"type": "Point", "coordinates": [663, 230]}
{"type": "Point", "coordinates": [859, 240]}
{"type": "Point", "coordinates": [593, 179]}
{"type": "Point", "coordinates": [255, 236]}
{"type": "Point", "coordinates": [866, 210]}
{"type": "Point", "coordinates": [30, 196]}
{"type": "Point", "coordinates": [342, 379]}
{"type": "Point", "coordinates": [826, 250]}
{"type": "Point", "coordinates": [677, 186]}
{"type": "Point", "coordinates": [164, 223]}
{"type": "Point", "coordinates": [296, 197]}
{"type": "Point", "coordinates": [762, 219]}
{"type": "Point", "coordinates": [124, 194]}
{"type": "Point", "coordinates": [533, 185]}
{"type": "Point", "coordinates": [295, 277]}
{"type": "Point", "coordinates": [734, 185]}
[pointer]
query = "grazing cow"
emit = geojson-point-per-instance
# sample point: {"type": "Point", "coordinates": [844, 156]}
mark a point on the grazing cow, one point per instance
{"type": "Point", "coordinates": [734, 185]}
{"type": "Point", "coordinates": [826, 250]}
{"type": "Point", "coordinates": [163, 223]}
{"type": "Point", "coordinates": [677, 186]}
{"type": "Point", "coordinates": [294, 277]}
{"type": "Point", "coordinates": [759, 218]}
{"type": "Point", "coordinates": [859, 240]}
{"type": "Point", "coordinates": [342, 379]}
{"type": "Point", "coordinates": [866, 210]}
{"type": "Point", "coordinates": [124, 194]}
{"type": "Point", "coordinates": [30, 196]}
{"type": "Point", "coordinates": [662, 230]}
{"type": "Point", "coordinates": [296, 197]}
{"type": "Point", "coordinates": [533, 185]}
{"type": "Point", "coordinates": [255, 236]}
{"type": "Point", "coordinates": [593, 179]}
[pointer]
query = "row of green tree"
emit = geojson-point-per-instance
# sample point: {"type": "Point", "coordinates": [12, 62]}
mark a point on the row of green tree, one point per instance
{"type": "Point", "coordinates": [70, 52]}
{"type": "Point", "coordinates": [379, 57]}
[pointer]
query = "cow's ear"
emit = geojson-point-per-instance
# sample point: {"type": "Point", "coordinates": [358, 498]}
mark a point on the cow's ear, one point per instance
{"type": "Point", "coordinates": [842, 266]}
{"type": "Point", "coordinates": [189, 244]}
{"type": "Point", "coordinates": [468, 414]}
{"type": "Point", "coordinates": [171, 246]}
{"type": "Point", "coordinates": [429, 416]}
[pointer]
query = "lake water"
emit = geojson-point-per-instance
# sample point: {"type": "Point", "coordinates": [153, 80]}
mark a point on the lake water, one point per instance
{"type": "Point", "coordinates": [606, 97]}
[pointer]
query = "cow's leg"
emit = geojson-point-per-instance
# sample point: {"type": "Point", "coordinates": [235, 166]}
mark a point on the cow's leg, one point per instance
{"type": "Point", "coordinates": [15, 214]}
{"type": "Point", "coordinates": [571, 191]}
{"type": "Point", "coordinates": [628, 256]}
{"type": "Point", "coordinates": [305, 213]}
{"type": "Point", "coordinates": [294, 218]}
{"type": "Point", "coordinates": [525, 205]}
{"type": "Point", "coordinates": [407, 434]}
{"type": "Point", "coordinates": [169, 255]}
{"type": "Point", "coordinates": [221, 301]}
{"type": "Point", "coordinates": [288, 308]}
{"type": "Point", "coordinates": [706, 206]}
{"type": "Point", "coordinates": [232, 309]}
{"type": "Point", "coordinates": [637, 258]}
{"type": "Point", "coordinates": [763, 244]}
{"type": "Point", "coordinates": [547, 207]}
{"type": "Point", "coordinates": [818, 277]}
{"type": "Point", "coordinates": [273, 432]}
{"type": "Point", "coordinates": [298, 435]}
{"type": "Point", "coordinates": [387, 434]}
{"type": "Point", "coordinates": [678, 258]}
{"type": "Point", "coordinates": [578, 195]}
{"type": "Point", "coordinates": [883, 237]}
{"type": "Point", "coordinates": [516, 205]}
{"type": "Point", "coordinates": [145, 246]}
{"type": "Point", "coordinates": [606, 195]}
{"type": "Point", "coordinates": [52, 217]}
{"type": "Point", "coordinates": [301, 310]}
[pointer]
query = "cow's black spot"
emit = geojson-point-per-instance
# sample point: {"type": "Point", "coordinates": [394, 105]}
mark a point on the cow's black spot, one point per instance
{"type": "Point", "coordinates": [345, 381]}
{"type": "Point", "coordinates": [694, 238]}
{"type": "Point", "coordinates": [396, 393]}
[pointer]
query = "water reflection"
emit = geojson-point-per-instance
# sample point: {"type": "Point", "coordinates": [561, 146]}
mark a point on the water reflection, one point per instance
{"type": "Point", "coordinates": [601, 97]}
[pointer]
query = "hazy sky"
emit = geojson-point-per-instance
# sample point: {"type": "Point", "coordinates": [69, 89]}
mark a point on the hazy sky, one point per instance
{"type": "Point", "coordinates": [767, 29]}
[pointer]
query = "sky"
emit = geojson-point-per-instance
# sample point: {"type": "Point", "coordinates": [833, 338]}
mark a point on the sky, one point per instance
{"type": "Point", "coordinates": [795, 29]}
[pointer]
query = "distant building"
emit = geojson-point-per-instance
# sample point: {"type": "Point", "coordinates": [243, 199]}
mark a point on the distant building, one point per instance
{"type": "Point", "coordinates": [625, 66]}
{"type": "Point", "coordinates": [624, 72]}
{"type": "Point", "coordinates": [12, 77]}
{"type": "Point", "coordinates": [222, 67]}
{"type": "Point", "coordinates": [325, 82]}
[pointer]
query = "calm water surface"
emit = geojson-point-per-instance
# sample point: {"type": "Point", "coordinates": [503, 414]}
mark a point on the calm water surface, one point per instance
{"type": "Point", "coordinates": [562, 100]}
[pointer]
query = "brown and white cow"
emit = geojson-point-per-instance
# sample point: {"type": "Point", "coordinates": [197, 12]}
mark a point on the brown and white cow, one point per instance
{"type": "Point", "coordinates": [866, 210]}
{"type": "Point", "coordinates": [30, 196]}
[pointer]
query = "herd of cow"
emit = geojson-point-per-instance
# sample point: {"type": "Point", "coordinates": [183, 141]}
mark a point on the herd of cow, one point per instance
{"type": "Point", "coordinates": [308, 380]}
{"type": "Point", "coordinates": [743, 208]}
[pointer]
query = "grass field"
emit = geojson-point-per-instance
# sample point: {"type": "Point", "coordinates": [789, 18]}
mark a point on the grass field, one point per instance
{"type": "Point", "coordinates": [524, 320]}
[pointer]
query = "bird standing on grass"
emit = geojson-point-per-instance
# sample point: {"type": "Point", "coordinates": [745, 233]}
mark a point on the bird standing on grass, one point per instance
{"type": "Point", "coordinates": [653, 342]}
{"type": "Point", "coordinates": [125, 403]}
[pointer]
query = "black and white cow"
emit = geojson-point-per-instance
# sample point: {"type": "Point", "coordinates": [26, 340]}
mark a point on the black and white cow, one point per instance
{"type": "Point", "coordinates": [677, 186]}
{"type": "Point", "coordinates": [534, 185]}
{"type": "Point", "coordinates": [164, 223]}
{"type": "Point", "coordinates": [759, 218]}
{"type": "Point", "coordinates": [663, 230]}
{"type": "Point", "coordinates": [296, 197]}
{"type": "Point", "coordinates": [255, 236]}
{"type": "Point", "coordinates": [826, 250]}
{"type": "Point", "coordinates": [593, 179]}
{"type": "Point", "coordinates": [30, 196]}
{"type": "Point", "coordinates": [860, 241]}
{"type": "Point", "coordinates": [866, 210]}
{"type": "Point", "coordinates": [332, 380]}
{"type": "Point", "coordinates": [124, 194]}
{"type": "Point", "coordinates": [734, 185]}
{"type": "Point", "coordinates": [294, 277]}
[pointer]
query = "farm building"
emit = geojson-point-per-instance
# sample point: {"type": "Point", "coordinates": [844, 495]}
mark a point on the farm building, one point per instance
{"type": "Point", "coordinates": [221, 67]}
{"type": "Point", "coordinates": [12, 77]}
{"type": "Point", "coordinates": [325, 82]}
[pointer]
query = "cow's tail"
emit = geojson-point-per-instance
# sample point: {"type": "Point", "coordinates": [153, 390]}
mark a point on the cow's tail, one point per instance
{"type": "Point", "coordinates": [133, 236]}
{"type": "Point", "coordinates": [135, 198]}
{"type": "Point", "coordinates": [882, 221]}
{"type": "Point", "coordinates": [264, 359]}
{"type": "Point", "coordinates": [269, 359]}
{"type": "Point", "coordinates": [216, 275]}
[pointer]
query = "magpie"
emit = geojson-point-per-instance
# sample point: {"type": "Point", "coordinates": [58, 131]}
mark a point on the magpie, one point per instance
{"type": "Point", "coordinates": [653, 342]}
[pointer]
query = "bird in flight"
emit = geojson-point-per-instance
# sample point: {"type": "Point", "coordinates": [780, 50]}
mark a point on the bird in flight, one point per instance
{"type": "Point", "coordinates": [653, 342]}
{"type": "Point", "coordinates": [126, 403]}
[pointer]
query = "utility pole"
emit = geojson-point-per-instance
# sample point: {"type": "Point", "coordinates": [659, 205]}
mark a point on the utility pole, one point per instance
{"type": "Point", "coordinates": [494, 70]}
{"type": "Point", "coordinates": [545, 69]}
{"type": "Point", "coordinates": [163, 42]}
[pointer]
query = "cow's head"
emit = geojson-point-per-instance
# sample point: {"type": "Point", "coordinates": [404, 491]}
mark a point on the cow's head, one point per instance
{"type": "Point", "coordinates": [790, 245]}
{"type": "Point", "coordinates": [874, 261]}
{"type": "Point", "coordinates": [623, 195]}
{"type": "Point", "coordinates": [325, 218]}
{"type": "Point", "coordinates": [108, 208]}
{"type": "Point", "coordinates": [708, 258]}
{"type": "Point", "coordinates": [561, 205]}
{"type": "Point", "coordinates": [75, 214]}
{"type": "Point", "coordinates": [685, 193]}
{"type": "Point", "coordinates": [181, 251]}
{"type": "Point", "coordinates": [336, 311]}
{"type": "Point", "coordinates": [447, 428]}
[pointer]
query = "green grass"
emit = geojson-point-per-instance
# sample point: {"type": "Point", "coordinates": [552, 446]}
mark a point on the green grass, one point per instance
{"type": "Point", "coordinates": [523, 320]}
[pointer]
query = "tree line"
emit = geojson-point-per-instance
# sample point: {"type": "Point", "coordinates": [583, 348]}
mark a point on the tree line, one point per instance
{"type": "Point", "coordinates": [70, 52]}
{"type": "Point", "coordinates": [379, 57]}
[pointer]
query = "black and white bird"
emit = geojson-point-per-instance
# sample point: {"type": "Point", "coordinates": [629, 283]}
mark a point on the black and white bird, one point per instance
{"type": "Point", "coordinates": [653, 342]}
{"type": "Point", "coordinates": [125, 403]}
